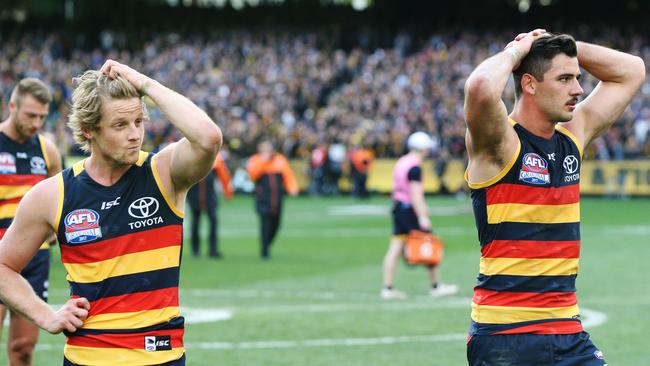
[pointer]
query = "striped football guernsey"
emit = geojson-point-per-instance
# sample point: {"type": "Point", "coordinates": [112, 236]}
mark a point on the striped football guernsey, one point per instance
{"type": "Point", "coordinates": [528, 221]}
{"type": "Point", "coordinates": [21, 167]}
{"type": "Point", "coordinates": [121, 248]}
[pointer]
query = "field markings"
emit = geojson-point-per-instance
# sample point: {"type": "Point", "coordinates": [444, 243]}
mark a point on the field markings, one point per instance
{"type": "Point", "coordinates": [591, 318]}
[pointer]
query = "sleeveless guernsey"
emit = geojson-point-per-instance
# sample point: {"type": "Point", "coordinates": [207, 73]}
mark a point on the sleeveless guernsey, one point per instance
{"type": "Point", "coordinates": [528, 222]}
{"type": "Point", "coordinates": [121, 248]}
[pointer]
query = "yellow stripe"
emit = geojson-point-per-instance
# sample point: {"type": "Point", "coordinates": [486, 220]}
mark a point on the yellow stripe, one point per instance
{"type": "Point", "coordinates": [8, 211]}
{"type": "Point", "coordinates": [161, 188]}
{"type": "Point", "coordinates": [540, 214]}
{"type": "Point", "coordinates": [571, 136]}
{"type": "Point", "coordinates": [501, 174]}
{"type": "Point", "coordinates": [41, 139]}
{"type": "Point", "coordinates": [119, 356]}
{"type": "Point", "coordinates": [142, 158]}
{"type": "Point", "coordinates": [149, 260]}
{"type": "Point", "coordinates": [513, 314]}
{"type": "Point", "coordinates": [45, 245]}
{"type": "Point", "coordinates": [137, 319]}
{"type": "Point", "coordinates": [59, 205]}
{"type": "Point", "coordinates": [78, 167]}
{"type": "Point", "coordinates": [9, 192]}
{"type": "Point", "coordinates": [529, 267]}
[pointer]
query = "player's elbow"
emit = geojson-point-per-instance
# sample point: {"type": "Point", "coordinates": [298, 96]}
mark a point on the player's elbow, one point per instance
{"type": "Point", "coordinates": [211, 137]}
{"type": "Point", "coordinates": [637, 70]}
{"type": "Point", "coordinates": [479, 90]}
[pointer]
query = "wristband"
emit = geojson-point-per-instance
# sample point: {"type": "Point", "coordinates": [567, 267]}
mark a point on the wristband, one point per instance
{"type": "Point", "coordinates": [515, 54]}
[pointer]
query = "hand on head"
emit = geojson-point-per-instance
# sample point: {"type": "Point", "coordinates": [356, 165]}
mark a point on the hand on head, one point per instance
{"type": "Point", "coordinates": [520, 46]}
{"type": "Point", "coordinates": [113, 69]}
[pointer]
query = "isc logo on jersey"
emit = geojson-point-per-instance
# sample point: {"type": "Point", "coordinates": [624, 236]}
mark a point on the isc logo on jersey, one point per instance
{"type": "Point", "coordinates": [81, 226]}
{"type": "Point", "coordinates": [7, 163]}
{"type": "Point", "coordinates": [534, 170]}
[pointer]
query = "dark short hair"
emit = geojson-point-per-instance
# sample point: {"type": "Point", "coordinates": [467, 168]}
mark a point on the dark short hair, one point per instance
{"type": "Point", "coordinates": [538, 60]}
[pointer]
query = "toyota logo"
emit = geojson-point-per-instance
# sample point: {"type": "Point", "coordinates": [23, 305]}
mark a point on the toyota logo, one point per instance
{"type": "Point", "coordinates": [143, 207]}
{"type": "Point", "coordinates": [570, 164]}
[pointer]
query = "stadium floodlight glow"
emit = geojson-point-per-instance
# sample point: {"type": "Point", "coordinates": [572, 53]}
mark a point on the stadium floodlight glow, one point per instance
{"type": "Point", "coordinates": [253, 3]}
{"type": "Point", "coordinates": [360, 5]}
{"type": "Point", "coordinates": [545, 2]}
{"type": "Point", "coordinates": [524, 5]}
{"type": "Point", "coordinates": [237, 4]}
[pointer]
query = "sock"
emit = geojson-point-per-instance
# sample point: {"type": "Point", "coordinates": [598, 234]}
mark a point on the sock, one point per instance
{"type": "Point", "coordinates": [434, 285]}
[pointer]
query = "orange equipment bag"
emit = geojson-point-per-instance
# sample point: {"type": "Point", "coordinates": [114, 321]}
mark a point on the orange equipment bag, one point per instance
{"type": "Point", "coordinates": [423, 248]}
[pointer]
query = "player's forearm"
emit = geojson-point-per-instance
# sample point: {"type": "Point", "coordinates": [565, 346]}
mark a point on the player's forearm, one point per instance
{"type": "Point", "coordinates": [194, 123]}
{"type": "Point", "coordinates": [18, 295]}
{"type": "Point", "coordinates": [489, 79]}
{"type": "Point", "coordinates": [609, 65]}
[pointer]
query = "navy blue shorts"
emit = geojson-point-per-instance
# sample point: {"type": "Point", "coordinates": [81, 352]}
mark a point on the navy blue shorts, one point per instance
{"type": "Point", "coordinates": [179, 362]}
{"type": "Point", "coordinates": [534, 349]}
{"type": "Point", "coordinates": [404, 219]}
{"type": "Point", "coordinates": [37, 273]}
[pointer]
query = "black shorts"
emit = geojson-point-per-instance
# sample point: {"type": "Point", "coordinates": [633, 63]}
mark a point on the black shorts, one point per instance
{"type": "Point", "coordinates": [404, 219]}
{"type": "Point", "coordinates": [37, 273]}
{"type": "Point", "coordinates": [534, 349]}
{"type": "Point", "coordinates": [179, 362]}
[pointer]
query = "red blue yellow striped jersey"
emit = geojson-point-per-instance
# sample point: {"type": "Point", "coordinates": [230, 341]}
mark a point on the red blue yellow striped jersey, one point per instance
{"type": "Point", "coordinates": [528, 221]}
{"type": "Point", "coordinates": [21, 167]}
{"type": "Point", "coordinates": [121, 248]}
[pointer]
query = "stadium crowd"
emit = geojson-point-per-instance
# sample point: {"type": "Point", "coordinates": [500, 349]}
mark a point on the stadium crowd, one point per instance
{"type": "Point", "coordinates": [303, 88]}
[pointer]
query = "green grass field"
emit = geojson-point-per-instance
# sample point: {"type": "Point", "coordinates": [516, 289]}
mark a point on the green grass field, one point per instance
{"type": "Point", "coordinates": [317, 301]}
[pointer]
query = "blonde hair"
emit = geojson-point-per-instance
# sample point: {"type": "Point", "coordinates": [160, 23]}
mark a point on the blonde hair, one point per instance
{"type": "Point", "coordinates": [31, 86]}
{"type": "Point", "coordinates": [92, 89]}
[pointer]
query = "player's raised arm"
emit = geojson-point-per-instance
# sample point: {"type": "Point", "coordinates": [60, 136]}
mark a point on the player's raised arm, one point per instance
{"type": "Point", "coordinates": [31, 226]}
{"type": "Point", "coordinates": [620, 74]}
{"type": "Point", "coordinates": [490, 140]}
{"type": "Point", "coordinates": [190, 159]}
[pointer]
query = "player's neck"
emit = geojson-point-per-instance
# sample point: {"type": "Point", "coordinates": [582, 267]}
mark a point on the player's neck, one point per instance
{"type": "Point", "coordinates": [532, 119]}
{"type": "Point", "coordinates": [103, 170]}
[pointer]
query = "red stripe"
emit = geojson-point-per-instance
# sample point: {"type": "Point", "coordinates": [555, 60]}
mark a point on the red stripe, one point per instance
{"type": "Point", "coordinates": [524, 299]}
{"type": "Point", "coordinates": [531, 249]}
{"type": "Point", "coordinates": [515, 193]}
{"type": "Point", "coordinates": [560, 327]}
{"type": "Point", "coordinates": [161, 237]}
{"type": "Point", "coordinates": [129, 341]}
{"type": "Point", "coordinates": [10, 201]}
{"type": "Point", "coordinates": [20, 179]}
{"type": "Point", "coordinates": [156, 299]}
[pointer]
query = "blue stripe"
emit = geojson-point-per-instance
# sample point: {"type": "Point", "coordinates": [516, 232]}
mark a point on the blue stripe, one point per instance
{"type": "Point", "coordinates": [488, 328]}
{"type": "Point", "coordinates": [127, 284]}
{"type": "Point", "coordinates": [174, 323]}
{"type": "Point", "coordinates": [5, 223]}
{"type": "Point", "coordinates": [539, 284]}
{"type": "Point", "coordinates": [530, 231]}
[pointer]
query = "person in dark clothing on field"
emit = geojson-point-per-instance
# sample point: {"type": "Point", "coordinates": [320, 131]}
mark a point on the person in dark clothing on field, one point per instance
{"type": "Point", "coordinates": [273, 178]}
{"type": "Point", "coordinates": [202, 197]}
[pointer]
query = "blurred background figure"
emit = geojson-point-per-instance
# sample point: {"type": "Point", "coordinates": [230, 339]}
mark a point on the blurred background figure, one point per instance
{"type": "Point", "coordinates": [273, 179]}
{"type": "Point", "coordinates": [202, 198]}
{"type": "Point", "coordinates": [361, 160]}
{"type": "Point", "coordinates": [410, 212]}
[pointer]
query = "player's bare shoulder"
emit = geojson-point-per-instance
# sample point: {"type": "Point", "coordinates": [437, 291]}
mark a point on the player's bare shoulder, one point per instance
{"type": "Point", "coordinates": [42, 201]}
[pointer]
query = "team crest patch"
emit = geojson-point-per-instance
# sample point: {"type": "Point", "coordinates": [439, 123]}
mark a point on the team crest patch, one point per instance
{"type": "Point", "coordinates": [81, 226]}
{"type": "Point", "coordinates": [38, 166]}
{"type": "Point", "coordinates": [7, 163]}
{"type": "Point", "coordinates": [534, 170]}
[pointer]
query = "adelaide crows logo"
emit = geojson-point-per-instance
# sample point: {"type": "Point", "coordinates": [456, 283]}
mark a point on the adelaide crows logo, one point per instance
{"type": "Point", "coordinates": [81, 226]}
{"type": "Point", "coordinates": [534, 170]}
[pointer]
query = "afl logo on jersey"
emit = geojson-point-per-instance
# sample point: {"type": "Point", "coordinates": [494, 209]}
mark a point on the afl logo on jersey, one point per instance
{"type": "Point", "coordinates": [82, 225]}
{"type": "Point", "coordinates": [7, 163]}
{"type": "Point", "coordinates": [534, 170]}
